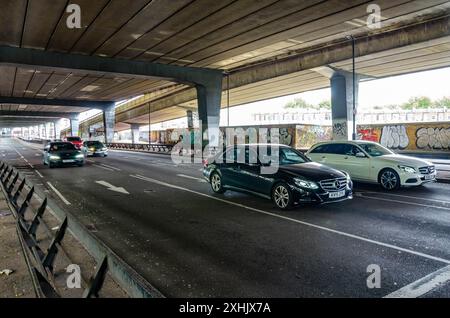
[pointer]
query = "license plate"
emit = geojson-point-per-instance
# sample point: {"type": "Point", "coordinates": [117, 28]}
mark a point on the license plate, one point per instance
{"type": "Point", "coordinates": [68, 161]}
{"type": "Point", "coordinates": [335, 195]}
{"type": "Point", "coordinates": [429, 177]}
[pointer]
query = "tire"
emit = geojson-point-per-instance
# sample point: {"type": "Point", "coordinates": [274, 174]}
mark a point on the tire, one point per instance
{"type": "Point", "coordinates": [282, 196]}
{"type": "Point", "coordinates": [80, 164]}
{"type": "Point", "coordinates": [216, 183]}
{"type": "Point", "coordinates": [389, 179]}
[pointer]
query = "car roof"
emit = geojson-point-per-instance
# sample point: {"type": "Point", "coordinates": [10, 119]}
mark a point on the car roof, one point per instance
{"type": "Point", "coordinates": [353, 142]}
{"type": "Point", "coordinates": [258, 145]}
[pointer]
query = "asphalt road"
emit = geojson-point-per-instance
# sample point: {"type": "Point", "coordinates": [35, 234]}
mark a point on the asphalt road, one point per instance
{"type": "Point", "coordinates": [164, 220]}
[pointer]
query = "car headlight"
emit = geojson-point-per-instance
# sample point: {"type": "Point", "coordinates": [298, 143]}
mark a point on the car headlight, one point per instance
{"type": "Point", "coordinates": [407, 169]}
{"type": "Point", "coordinates": [104, 149]}
{"type": "Point", "coordinates": [53, 157]}
{"type": "Point", "coordinates": [80, 155]}
{"type": "Point", "coordinates": [306, 184]}
{"type": "Point", "coordinates": [91, 149]}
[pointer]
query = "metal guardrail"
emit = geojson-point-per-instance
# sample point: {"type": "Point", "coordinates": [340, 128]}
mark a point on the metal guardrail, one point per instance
{"type": "Point", "coordinates": [163, 148]}
{"type": "Point", "coordinates": [15, 187]}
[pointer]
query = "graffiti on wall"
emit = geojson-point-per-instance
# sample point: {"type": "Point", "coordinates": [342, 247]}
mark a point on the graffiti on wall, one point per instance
{"type": "Point", "coordinates": [394, 137]}
{"type": "Point", "coordinates": [340, 130]}
{"type": "Point", "coordinates": [372, 134]}
{"type": "Point", "coordinates": [424, 137]}
{"type": "Point", "coordinates": [308, 135]}
{"type": "Point", "coordinates": [433, 138]}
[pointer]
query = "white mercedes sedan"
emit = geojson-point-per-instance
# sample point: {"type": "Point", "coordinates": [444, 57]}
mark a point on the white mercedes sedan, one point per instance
{"type": "Point", "coordinates": [368, 161]}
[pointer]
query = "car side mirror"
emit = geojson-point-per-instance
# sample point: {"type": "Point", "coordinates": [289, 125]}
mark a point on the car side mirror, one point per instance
{"type": "Point", "coordinates": [360, 155]}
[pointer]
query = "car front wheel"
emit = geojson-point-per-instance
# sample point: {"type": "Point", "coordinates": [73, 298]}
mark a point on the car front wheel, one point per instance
{"type": "Point", "coordinates": [282, 196]}
{"type": "Point", "coordinates": [216, 183]}
{"type": "Point", "coordinates": [389, 179]}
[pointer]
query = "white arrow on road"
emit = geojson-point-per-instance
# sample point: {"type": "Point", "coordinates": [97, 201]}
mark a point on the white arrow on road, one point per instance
{"type": "Point", "coordinates": [112, 188]}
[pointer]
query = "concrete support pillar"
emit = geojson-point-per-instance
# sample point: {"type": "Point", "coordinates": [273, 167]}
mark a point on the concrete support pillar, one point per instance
{"type": "Point", "coordinates": [135, 133]}
{"type": "Point", "coordinates": [109, 120]}
{"type": "Point", "coordinates": [74, 126]}
{"type": "Point", "coordinates": [190, 119]}
{"type": "Point", "coordinates": [342, 104]}
{"type": "Point", "coordinates": [209, 113]}
{"type": "Point", "coordinates": [57, 128]}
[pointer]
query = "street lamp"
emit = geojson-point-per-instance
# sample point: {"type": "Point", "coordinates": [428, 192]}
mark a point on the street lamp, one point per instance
{"type": "Point", "coordinates": [352, 38]}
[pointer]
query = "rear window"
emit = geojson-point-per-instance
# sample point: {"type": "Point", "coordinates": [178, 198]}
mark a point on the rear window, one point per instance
{"type": "Point", "coordinates": [73, 139]}
{"type": "Point", "coordinates": [94, 144]}
{"type": "Point", "coordinates": [62, 146]}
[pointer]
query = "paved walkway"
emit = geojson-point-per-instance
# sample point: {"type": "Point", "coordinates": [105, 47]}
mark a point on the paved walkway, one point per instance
{"type": "Point", "coordinates": [15, 280]}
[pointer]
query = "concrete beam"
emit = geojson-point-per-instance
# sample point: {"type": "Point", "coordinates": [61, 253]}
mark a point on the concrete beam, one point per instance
{"type": "Point", "coordinates": [100, 65]}
{"type": "Point", "coordinates": [55, 102]}
{"type": "Point", "coordinates": [22, 114]}
{"type": "Point", "coordinates": [321, 55]}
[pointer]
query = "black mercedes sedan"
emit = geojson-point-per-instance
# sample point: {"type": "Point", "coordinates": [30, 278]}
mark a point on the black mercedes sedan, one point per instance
{"type": "Point", "coordinates": [276, 172]}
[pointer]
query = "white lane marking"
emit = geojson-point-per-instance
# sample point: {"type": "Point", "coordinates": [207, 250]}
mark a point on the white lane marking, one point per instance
{"type": "Point", "coordinates": [111, 167]}
{"type": "Point", "coordinates": [58, 193]}
{"type": "Point", "coordinates": [404, 196]}
{"type": "Point", "coordinates": [32, 167]}
{"type": "Point", "coordinates": [39, 174]}
{"type": "Point", "coordinates": [111, 187]}
{"type": "Point", "coordinates": [89, 160]}
{"type": "Point", "coordinates": [190, 177]}
{"type": "Point", "coordinates": [402, 202]}
{"type": "Point", "coordinates": [104, 168]}
{"type": "Point", "coordinates": [423, 285]}
{"type": "Point", "coordinates": [438, 259]}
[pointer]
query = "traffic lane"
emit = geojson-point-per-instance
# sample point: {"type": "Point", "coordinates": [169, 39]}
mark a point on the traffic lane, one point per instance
{"type": "Point", "coordinates": [129, 225]}
{"type": "Point", "coordinates": [411, 221]}
{"type": "Point", "coordinates": [231, 252]}
{"type": "Point", "coordinates": [384, 217]}
{"type": "Point", "coordinates": [402, 223]}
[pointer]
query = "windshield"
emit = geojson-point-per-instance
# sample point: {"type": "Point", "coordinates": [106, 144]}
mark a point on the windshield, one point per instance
{"type": "Point", "coordinates": [375, 150]}
{"type": "Point", "coordinates": [62, 146]}
{"type": "Point", "coordinates": [73, 139]}
{"type": "Point", "coordinates": [97, 144]}
{"type": "Point", "coordinates": [289, 156]}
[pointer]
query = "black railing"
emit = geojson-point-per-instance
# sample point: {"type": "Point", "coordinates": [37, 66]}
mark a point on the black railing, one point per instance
{"type": "Point", "coordinates": [162, 148]}
{"type": "Point", "coordinates": [19, 193]}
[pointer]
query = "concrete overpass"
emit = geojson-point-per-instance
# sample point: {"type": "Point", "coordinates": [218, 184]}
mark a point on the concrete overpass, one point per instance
{"type": "Point", "coordinates": [185, 54]}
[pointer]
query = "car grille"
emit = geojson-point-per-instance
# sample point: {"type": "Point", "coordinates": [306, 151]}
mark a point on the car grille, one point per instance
{"type": "Point", "coordinates": [334, 184]}
{"type": "Point", "coordinates": [427, 170]}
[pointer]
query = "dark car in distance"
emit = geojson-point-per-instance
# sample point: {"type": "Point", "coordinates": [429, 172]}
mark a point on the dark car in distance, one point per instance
{"type": "Point", "coordinates": [295, 179]}
{"type": "Point", "coordinates": [62, 153]}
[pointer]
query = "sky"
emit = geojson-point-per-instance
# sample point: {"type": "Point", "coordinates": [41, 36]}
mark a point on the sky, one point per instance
{"type": "Point", "coordinates": [392, 90]}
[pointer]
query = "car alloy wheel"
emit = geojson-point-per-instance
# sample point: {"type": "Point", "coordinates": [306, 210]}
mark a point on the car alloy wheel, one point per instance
{"type": "Point", "coordinates": [282, 196]}
{"type": "Point", "coordinates": [390, 180]}
{"type": "Point", "coordinates": [216, 183]}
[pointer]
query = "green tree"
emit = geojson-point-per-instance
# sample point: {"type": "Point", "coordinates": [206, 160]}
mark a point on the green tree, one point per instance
{"type": "Point", "coordinates": [298, 103]}
{"type": "Point", "coordinates": [325, 104]}
{"type": "Point", "coordinates": [444, 102]}
{"type": "Point", "coordinates": [422, 102]}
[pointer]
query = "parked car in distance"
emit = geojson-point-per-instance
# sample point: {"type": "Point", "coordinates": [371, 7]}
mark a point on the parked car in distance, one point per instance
{"type": "Point", "coordinates": [94, 148]}
{"type": "Point", "coordinates": [75, 140]}
{"type": "Point", "coordinates": [294, 180]}
{"type": "Point", "coordinates": [62, 153]}
{"type": "Point", "coordinates": [368, 161]}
